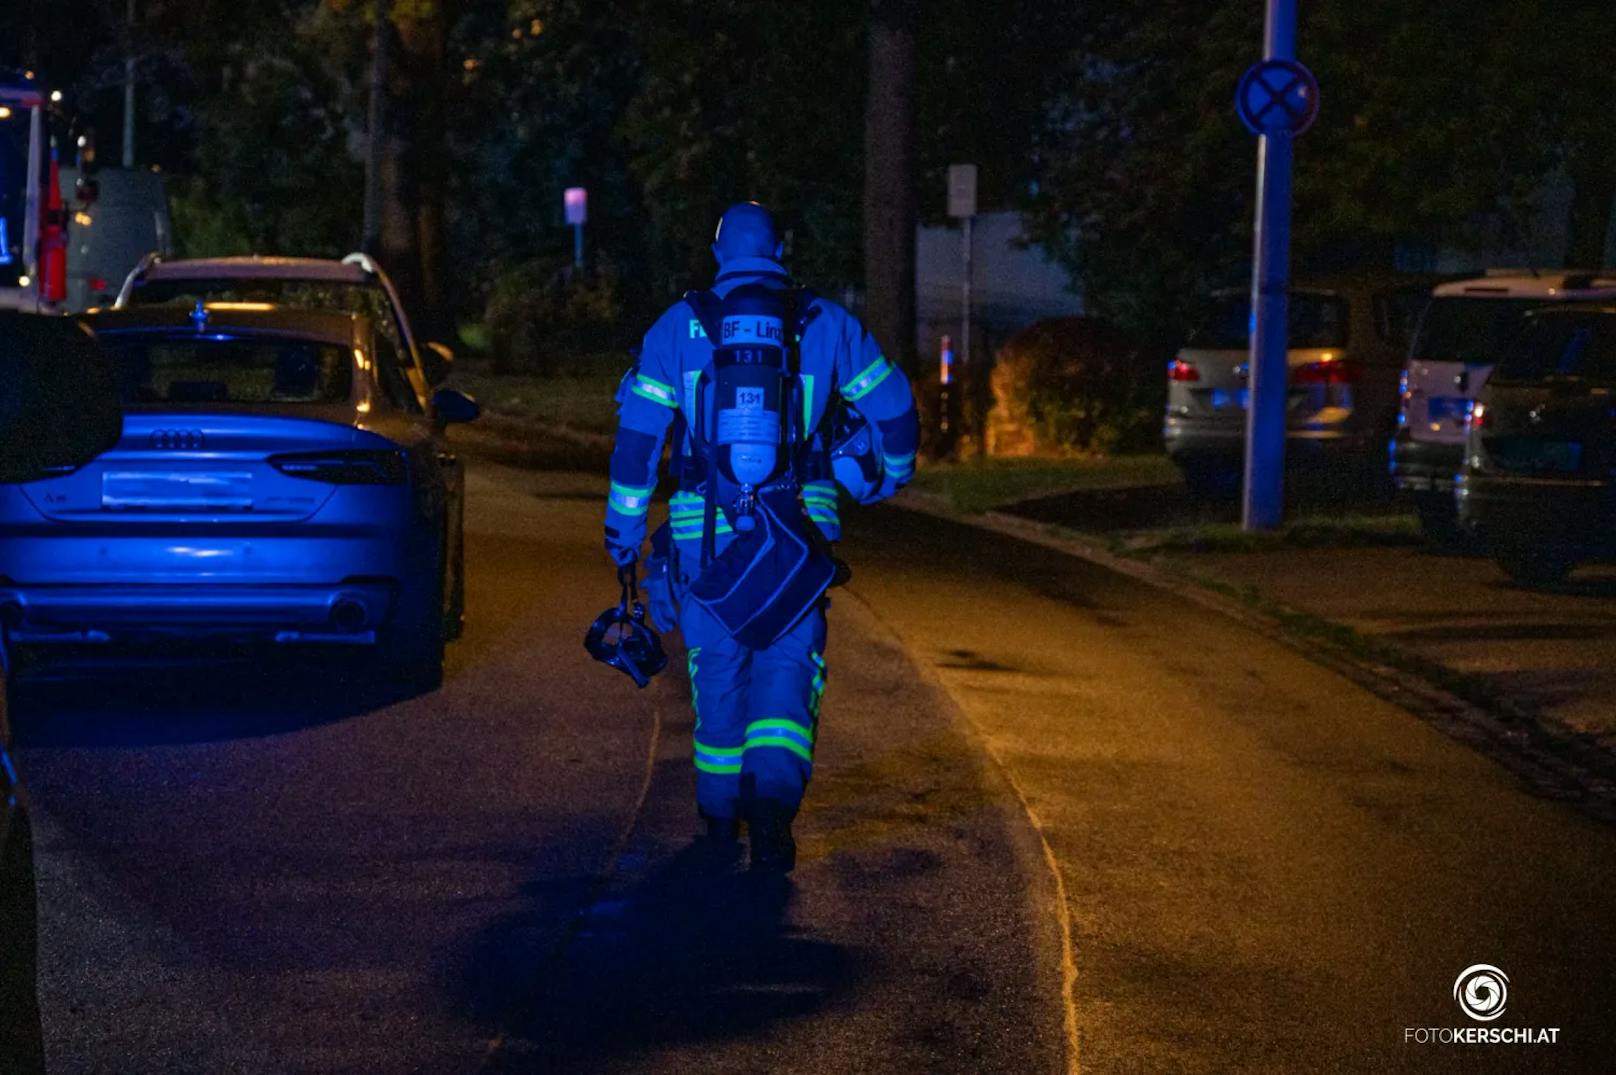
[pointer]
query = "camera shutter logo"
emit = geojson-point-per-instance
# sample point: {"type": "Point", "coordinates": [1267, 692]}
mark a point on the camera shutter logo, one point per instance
{"type": "Point", "coordinates": [1482, 991]}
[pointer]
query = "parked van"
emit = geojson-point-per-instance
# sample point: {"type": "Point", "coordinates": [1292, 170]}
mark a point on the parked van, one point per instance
{"type": "Point", "coordinates": [117, 217]}
{"type": "Point", "coordinates": [1347, 339]}
{"type": "Point", "coordinates": [1467, 327]}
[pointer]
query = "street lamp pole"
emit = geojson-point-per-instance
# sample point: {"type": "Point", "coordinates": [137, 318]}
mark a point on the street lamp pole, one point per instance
{"type": "Point", "coordinates": [1263, 503]}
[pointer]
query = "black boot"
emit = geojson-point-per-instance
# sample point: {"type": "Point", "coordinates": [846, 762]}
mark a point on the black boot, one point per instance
{"type": "Point", "coordinates": [719, 845]}
{"type": "Point", "coordinates": [722, 830]}
{"type": "Point", "coordinates": [773, 849]}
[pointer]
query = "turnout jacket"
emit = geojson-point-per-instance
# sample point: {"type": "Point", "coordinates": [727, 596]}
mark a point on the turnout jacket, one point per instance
{"type": "Point", "coordinates": [839, 359]}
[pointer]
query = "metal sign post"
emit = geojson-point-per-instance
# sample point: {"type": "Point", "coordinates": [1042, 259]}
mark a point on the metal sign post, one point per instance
{"type": "Point", "coordinates": [1277, 99]}
{"type": "Point", "coordinates": [576, 202]}
{"type": "Point", "coordinates": [962, 207]}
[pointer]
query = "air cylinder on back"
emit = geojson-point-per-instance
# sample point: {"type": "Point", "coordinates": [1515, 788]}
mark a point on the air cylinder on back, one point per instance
{"type": "Point", "coordinates": [749, 386]}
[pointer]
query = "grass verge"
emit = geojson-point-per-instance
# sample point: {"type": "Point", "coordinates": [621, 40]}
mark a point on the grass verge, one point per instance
{"type": "Point", "coordinates": [979, 485]}
{"type": "Point", "coordinates": [1337, 530]}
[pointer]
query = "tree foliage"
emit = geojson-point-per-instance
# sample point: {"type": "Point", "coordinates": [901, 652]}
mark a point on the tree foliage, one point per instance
{"type": "Point", "coordinates": [1439, 124]}
{"type": "Point", "coordinates": [1113, 124]}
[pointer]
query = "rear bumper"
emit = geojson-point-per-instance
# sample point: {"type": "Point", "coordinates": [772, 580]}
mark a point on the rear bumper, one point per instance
{"type": "Point", "coordinates": [1571, 514]}
{"type": "Point", "coordinates": [1196, 438]}
{"type": "Point", "coordinates": [1422, 466]}
{"type": "Point", "coordinates": [286, 583]}
{"type": "Point", "coordinates": [346, 613]}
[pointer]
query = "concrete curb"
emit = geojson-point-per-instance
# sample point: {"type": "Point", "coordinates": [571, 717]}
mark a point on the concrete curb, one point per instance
{"type": "Point", "coordinates": [1551, 760]}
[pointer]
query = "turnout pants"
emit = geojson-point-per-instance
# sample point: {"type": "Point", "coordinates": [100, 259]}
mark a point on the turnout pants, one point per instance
{"type": "Point", "coordinates": [757, 712]}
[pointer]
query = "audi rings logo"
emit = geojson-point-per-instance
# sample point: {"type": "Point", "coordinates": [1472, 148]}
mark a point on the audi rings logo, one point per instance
{"type": "Point", "coordinates": [170, 440]}
{"type": "Point", "coordinates": [1482, 990]}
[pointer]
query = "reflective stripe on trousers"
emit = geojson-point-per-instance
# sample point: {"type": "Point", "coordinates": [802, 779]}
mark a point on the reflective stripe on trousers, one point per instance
{"type": "Point", "coordinates": [757, 712]}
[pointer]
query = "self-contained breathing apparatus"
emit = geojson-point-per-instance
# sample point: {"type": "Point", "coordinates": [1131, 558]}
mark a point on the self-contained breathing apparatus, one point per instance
{"type": "Point", "coordinates": [751, 452]}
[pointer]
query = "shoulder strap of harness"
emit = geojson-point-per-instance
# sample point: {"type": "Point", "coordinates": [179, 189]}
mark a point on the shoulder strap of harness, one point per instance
{"type": "Point", "coordinates": [705, 305]}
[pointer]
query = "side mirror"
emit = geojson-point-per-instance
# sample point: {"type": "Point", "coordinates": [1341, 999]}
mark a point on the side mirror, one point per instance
{"type": "Point", "coordinates": [451, 407]}
{"type": "Point", "coordinates": [59, 405]}
{"type": "Point", "coordinates": [437, 362]}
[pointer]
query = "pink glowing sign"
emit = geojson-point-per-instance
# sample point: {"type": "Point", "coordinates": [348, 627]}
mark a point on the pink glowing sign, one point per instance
{"type": "Point", "coordinates": [576, 200]}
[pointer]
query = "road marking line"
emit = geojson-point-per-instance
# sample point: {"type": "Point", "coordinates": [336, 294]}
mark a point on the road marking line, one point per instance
{"type": "Point", "coordinates": [1063, 915]}
{"type": "Point", "coordinates": [596, 890]}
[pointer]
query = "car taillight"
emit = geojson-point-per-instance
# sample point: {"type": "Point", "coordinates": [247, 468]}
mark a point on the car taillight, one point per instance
{"type": "Point", "coordinates": [1327, 373]}
{"type": "Point", "coordinates": [1180, 370]}
{"type": "Point", "coordinates": [343, 468]}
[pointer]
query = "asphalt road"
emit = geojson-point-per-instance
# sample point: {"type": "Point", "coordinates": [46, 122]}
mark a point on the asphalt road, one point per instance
{"type": "Point", "coordinates": [261, 869]}
{"type": "Point", "coordinates": [1257, 864]}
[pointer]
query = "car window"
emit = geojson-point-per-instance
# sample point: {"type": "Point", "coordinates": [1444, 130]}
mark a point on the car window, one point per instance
{"type": "Point", "coordinates": [390, 372]}
{"type": "Point", "coordinates": [1469, 330]}
{"type": "Point", "coordinates": [1549, 348]}
{"type": "Point", "coordinates": [209, 369]}
{"type": "Point", "coordinates": [1315, 321]}
{"type": "Point", "coordinates": [367, 299]}
{"type": "Point", "coordinates": [1397, 312]}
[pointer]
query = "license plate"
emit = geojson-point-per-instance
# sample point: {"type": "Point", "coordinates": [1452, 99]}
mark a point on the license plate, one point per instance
{"type": "Point", "coordinates": [1537, 456]}
{"type": "Point", "coordinates": [1441, 408]}
{"type": "Point", "coordinates": [211, 490]}
{"type": "Point", "coordinates": [1223, 398]}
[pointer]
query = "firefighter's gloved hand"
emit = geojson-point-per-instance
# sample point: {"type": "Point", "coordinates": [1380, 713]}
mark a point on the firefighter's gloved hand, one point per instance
{"type": "Point", "coordinates": [622, 555]}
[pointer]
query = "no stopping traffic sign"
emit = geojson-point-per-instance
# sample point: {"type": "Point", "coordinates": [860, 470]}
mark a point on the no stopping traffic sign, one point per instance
{"type": "Point", "coordinates": [1277, 96]}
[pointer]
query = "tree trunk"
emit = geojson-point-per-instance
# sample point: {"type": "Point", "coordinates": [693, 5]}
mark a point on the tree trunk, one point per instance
{"type": "Point", "coordinates": [889, 179]}
{"type": "Point", "coordinates": [376, 139]}
{"type": "Point", "coordinates": [414, 174]}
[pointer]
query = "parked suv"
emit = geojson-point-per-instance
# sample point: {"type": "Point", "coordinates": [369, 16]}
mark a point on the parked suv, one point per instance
{"type": "Point", "coordinates": [1465, 330]}
{"type": "Point", "coordinates": [1539, 484]}
{"type": "Point", "coordinates": [1347, 339]}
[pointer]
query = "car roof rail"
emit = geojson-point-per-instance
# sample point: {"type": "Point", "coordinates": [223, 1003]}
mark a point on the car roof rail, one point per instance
{"type": "Point", "coordinates": [147, 260]}
{"type": "Point", "coordinates": [364, 261]}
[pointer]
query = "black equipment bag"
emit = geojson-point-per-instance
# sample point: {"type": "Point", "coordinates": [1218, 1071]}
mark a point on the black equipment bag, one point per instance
{"type": "Point", "coordinates": [767, 578]}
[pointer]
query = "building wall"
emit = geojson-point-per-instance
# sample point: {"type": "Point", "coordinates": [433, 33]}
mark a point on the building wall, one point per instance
{"type": "Point", "coordinates": [1013, 285]}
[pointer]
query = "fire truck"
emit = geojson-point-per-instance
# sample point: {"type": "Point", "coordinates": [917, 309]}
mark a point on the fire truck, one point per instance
{"type": "Point", "coordinates": [33, 219]}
